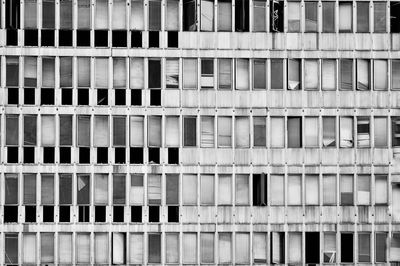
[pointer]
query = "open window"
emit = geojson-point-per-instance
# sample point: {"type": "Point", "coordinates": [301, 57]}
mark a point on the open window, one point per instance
{"type": "Point", "coordinates": [363, 132]}
{"type": "Point", "coordinates": [346, 190]}
{"type": "Point", "coordinates": [11, 248]}
{"type": "Point", "coordinates": [294, 74]}
{"type": "Point", "coordinates": [12, 21]}
{"type": "Point", "coordinates": [189, 15]}
{"type": "Point", "coordinates": [346, 132]}
{"type": "Point", "coordinates": [363, 75]}
{"type": "Point", "coordinates": [345, 17]}
{"type": "Point", "coordinates": [84, 23]}
{"type": "Point", "coordinates": [83, 197]}
{"type": "Point", "coordinates": [394, 17]}
{"type": "Point", "coordinates": [241, 15]}
{"type": "Point", "coordinates": [30, 23]}
{"type": "Point", "coordinates": [101, 80]}
{"type": "Point", "coordinates": [346, 249]}
{"type": "Point", "coordinates": [260, 190]}
{"type": "Point", "coordinates": [380, 132]}
{"type": "Point", "coordinates": [276, 16]}
{"type": "Point", "coordinates": [224, 15]}
{"type": "Point", "coordinates": [277, 247]}
{"type": "Point", "coordinates": [329, 249]}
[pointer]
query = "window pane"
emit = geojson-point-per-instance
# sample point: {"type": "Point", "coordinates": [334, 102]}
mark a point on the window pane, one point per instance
{"type": "Point", "coordinates": [47, 186]}
{"type": "Point", "coordinates": [119, 189]}
{"type": "Point", "coordinates": [136, 76]}
{"type": "Point", "coordinates": [136, 194]}
{"type": "Point", "coordinates": [65, 247]}
{"type": "Point", "coordinates": [12, 71]}
{"type": "Point", "coordinates": [119, 14]}
{"type": "Point", "coordinates": [346, 132]}
{"type": "Point", "coordinates": [329, 131]}
{"type": "Point", "coordinates": [101, 248]}
{"type": "Point", "coordinates": [82, 248]}
{"type": "Point", "coordinates": [48, 14]}
{"type": "Point", "coordinates": [225, 247]}
{"type": "Point", "coordinates": [242, 189]}
{"type": "Point", "coordinates": [12, 131]}
{"type": "Point", "coordinates": [363, 132]}
{"type": "Point", "coordinates": [225, 74]}
{"type": "Point", "coordinates": [380, 247]}
{"type": "Point", "coordinates": [30, 14]}
{"type": "Point", "coordinates": [379, 17]}
{"type": "Point", "coordinates": [294, 250]}
{"type": "Point", "coordinates": [207, 189]}
{"type": "Point", "coordinates": [294, 190]}
{"type": "Point", "coordinates": [259, 131]}
{"type": "Point", "coordinates": [260, 247]}
{"type": "Point", "coordinates": [83, 71]}
{"type": "Point", "coordinates": [207, 247]}
{"type": "Point", "coordinates": [242, 74]}
{"type": "Point", "coordinates": [242, 132]}
{"type": "Point", "coordinates": [189, 73]}
{"type": "Point", "coordinates": [294, 132]}
{"type": "Point", "coordinates": [364, 247]}
{"type": "Point", "coordinates": [345, 17]}
{"type": "Point", "coordinates": [154, 131]}
{"type": "Point", "coordinates": [363, 74]}
{"type": "Point", "coordinates": [207, 15]}
{"type": "Point", "coordinates": [101, 131]}
{"type": "Point", "coordinates": [189, 131]}
{"type": "Point", "coordinates": [294, 74]}
{"type": "Point", "coordinates": [29, 248]}
{"type": "Point", "coordinates": [83, 130]}
{"type": "Point", "coordinates": [242, 248]}
{"type": "Point", "coordinates": [311, 73]}
{"type": "Point", "coordinates": [137, 131]}
{"type": "Point", "coordinates": [311, 16]}
{"type": "Point", "coordinates": [224, 131]}
{"type": "Point", "coordinates": [172, 17]}
{"type": "Point", "coordinates": [65, 189]}
{"type": "Point", "coordinates": [395, 74]}
{"type": "Point", "coordinates": [259, 15]}
{"type": "Point", "coordinates": [101, 14]}
{"type": "Point", "coordinates": [189, 194]}
{"type": "Point", "coordinates": [172, 189]}
{"type": "Point", "coordinates": [311, 131]}
{"type": "Point", "coordinates": [330, 247]}
{"type": "Point", "coordinates": [30, 130]}
{"type": "Point", "coordinates": [136, 248]}
{"type": "Point", "coordinates": [312, 189]}
{"type": "Point", "coordinates": [66, 133]}
{"type": "Point", "coordinates": [101, 188]}
{"type": "Point", "coordinates": [137, 15]}
{"type": "Point", "coordinates": [11, 248]}
{"type": "Point", "coordinates": [329, 189]}
{"type": "Point", "coordinates": [101, 72]}
{"type": "Point", "coordinates": [172, 247]}
{"type": "Point", "coordinates": [328, 74]}
{"type": "Point", "coordinates": [362, 16]}
{"type": "Point", "coordinates": [119, 73]}
{"type": "Point", "coordinates": [328, 16]}
{"type": "Point", "coordinates": [172, 131]}
{"type": "Point", "coordinates": [224, 189]}
{"type": "Point", "coordinates": [363, 189]}
{"type": "Point", "coordinates": [277, 132]}
{"type": "Point", "coordinates": [224, 15]}
{"type": "Point", "coordinates": [154, 75]}
{"type": "Point", "coordinates": [30, 189]}
{"type": "Point", "coordinates": [346, 190]}
{"type": "Point", "coordinates": [48, 130]}
{"type": "Point", "coordinates": [207, 132]}
{"type": "Point", "coordinates": [119, 130]}
{"type": "Point", "coordinates": [47, 247]}
{"type": "Point", "coordinates": [84, 14]}
{"type": "Point", "coordinates": [189, 15]}
{"type": "Point", "coordinates": [11, 189]}
{"type": "Point", "coordinates": [381, 190]}
{"type": "Point", "coordinates": [380, 75]}
{"type": "Point", "coordinates": [83, 193]}
{"type": "Point", "coordinates": [259, 74]}
{"type": "Point", "coordinates": [172, 73]}
{"type": "Point", "coordinates": [65, 72]}
{"type": "Point", "coordinates": [277, 190]}
{"type": "Point", "coordinates": [293, 16]}
{"type": "Point", "coordinates": [189, 248]}
{"type": "Point", "coordinates": [30, 72]}
{"type": "Point", "coordinates": [154, 189]}
{"type": "Point", "coordinates": [66, 14]}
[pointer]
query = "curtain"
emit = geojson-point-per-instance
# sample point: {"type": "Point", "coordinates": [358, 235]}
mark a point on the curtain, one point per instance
{"type": "Point", "coordinates": [119, 15]}
{"type": "Point", "coordinates": [137, 131]}
{"type": "Point", "coordinates": [207, 189]}
{"type": "Point", "coordinates": [294, 190]}
{"type": "Point", "coordinates": [154, 73]}
{"type": "Point", "coordinates": [293, 16]}
{"type": "Point", "coordinates": [363, 189]}
{"type": "Point", "coordinates": [172, 247]}
{"type": "Point", "coordinates": [119, 131]}
{"type": "Point", "coordinates": [65, 248]}
{"type": "Point", "coordinates": [224, 189]}
{"type": "Point", "coordinates": [363, 74]}
{"type": "Point", "coordinates": [189, 131]}
{"type": "Point", "coordinates": [242, 189]}
{"type": "Point", "coordinates": [311, 16]}
{"type": "Point", "coordinates": [172, 131]}
{"type": "Point", "coordinates": [346, 132]}
{"type": "Point", "coordinates": [277, 132]}
{"type": "Point", "coordinates": [83, 194]}
{"type": "Point", "coordinates": [47, 189]}
{"type": "Point", "coordinates": [207, 15]}
{"type": "Point", "coordinates": [101, 131]}
{"type": "Point", "coordinates": [328, 74]}
{"type": "Point", "coordinates": [346, 74]}
{"type": "Point", "coordinates": [155, 15]}
{"type": "Point", "coordinates": [101, 16]}
{"type": "Point", "coordinates": [259, 131]}
{"type": "Point", "coordinates": [65, 189]}
{"type": "Point", "coordinates": [154, 131]}
{"type": "Point", "coordinates": [137, 15]}
{"type": "Point", "coordinates": [259, 74]}
{"type": "Point", "coordinates": [312, 189]}
{"type": "Point", "coordinates": [48, 11]}
{"type": "Point", "coordinates": [12, 71]}
{"type": "Point", "coordinates": [84, 14]}
{"type": "Point", "coordinates": [277, 189]}
{"type": "Point", "coordinates": [189, 194]}
{"type": "Point", "coordinates": [82, 248]}
{"type": "Point", "coordinates": [30, 130]}
{"type": "Point", "coordinates": [363, 132]}
{"type": "Point", "coordinates": [172, 189]}
{"type": "Point", "coordinates": [101, 248]}
{"type": "Point", "coordinates": [207, 247]}
{"type": "Point", "coordinates": [224, 131]}
{"type": "Point", "coordinates": [101, 188]}
{"type": "Point", "coordinates": [189, 73]}
{"type": "Point", "coordinates": [242, 248]}
{"type": "Point", "coordinates": [207, 132]}
{"type": "Point", "coordinates": [294, 74]}
{"type": "Point", "coordinates": [329, 131]}
{"type": "Point", "coordinates": [48, 130]}
{"type": "Point", "coordinates": [242, 74]}
{"type": "Point", "coordinates": [259, 17]}
{"type": "Point", "coordinates": [48, 69]}
{"type": "Point", "coordinates": [137, 190]}
{"type": "Point", "coordinates": [224, 15]}
{"type": "Point", "coordinates": [119, 189]}
{"type": "Point", "coordinates": [136, 248]}
{"type": "Point", "coordinates": [328, 16]}
{"type": "Point", "coordinates": [154, 248]}
{"type": "Point", "coordinates": [346, 189]}
{"type": "Point", "coordinates": [66, 14]}
{"type": "Point", "coordinates": [225, 74]}
{"type": "Point", "coordinates": [189, 248]}
{"type": "Point", "coordinates": [260, 247]}
{"type": "Point", "coordinates": [380, 74]}
{"type": "Point", "coordinates": [311, 132]}
{"type": "Point", "coordinates": [66, 133]}
{"type": "Point", "coordinates": [294, 250]}
{"type": "Point", "coordinates": [345, 17]}
{"type": "Point", "coordinates": [225, 248]}
{"type": "Point", "coordinates": [119, 73]}
{"type": "Point", "coordinates": [83, 130]}
{"type": "Point", "coordinates": [29, 248]}
{"type": "Point", "coordinates": [294, 132]}
{"type": "Point", "coordinates": [101, 72]}
{"type": "Point", "coordinates": [172, 73]}
{"type": "Point", "coordinates": [30, 189]}
{"type": "Point", "coordinates": [136, 75]}
{"type": "Point", "coordinates": [329, 189]}
{"type": "Point", "coordinates": [30, 14]}
{"type": "Point", "coordinates": [242, 132]}
{"type": "Point", "coordinates": [154, 189]}
{"type": "Point", "coordinates": [47, 247]}
{"type": "Point", "coordinates": [65, 72]}
{"type": "Point", "coordinates": [379, 17]}
{"type": "Point", "coordinates": [362, 16]}
{"type": "Point", "coordinates": [118, 248]}
{"type": "Point", "coordinates": [83, 72]}
{"type": "Point", "coordinates": [172, 21]}
{"type": "Point", "coordinates": [30, 72]}
{"type": "Point", "coordinates": [311, 74]}
{"type": "Point", "coordinates": [381, 190]}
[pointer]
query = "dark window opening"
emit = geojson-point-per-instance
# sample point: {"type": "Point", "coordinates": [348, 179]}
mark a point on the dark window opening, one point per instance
{"type": "Point", "coordinates": [100, 38]}
{"type": "Point", "coordinates": [276, 16]}
{"type": "Point", "coordinates": [277, 248]}
{"type": "Point", "coordinates": [395, 17]}
{"type": "Point", "coordinates": [64, 215]}
{"type": "Point", "coordinates": [12, 37]}
{"type": "Point", "coordinates": [47, 97]}
{"type": "Point", "coordinates": [84, 212]}
{"type": "Point", "coordinates": [242, 15]}
{"type": "Point", "coordinates": [102, 155]}
{"type": "Point", "coordinates": [136, 97]}
{"type": "Point", "coordinates": [10, 214]}
{"type": "Point", "coordinates": [312, 247]}
{"type": "Point", "coordinates": [136, 39]}
{"type": "Point", "coordinates": [173, 155]}
{"type": "Point", "coordinates": [136, 155]}
{"type": "Point", "coordinates": [154, 39]}
{"type": "Point", "coordinates": [173, 214]}
{"type": "Point", "coordinates": [155, 97]}
{"type": "Point", "coordinates": [48, 214]}
{"type": "Point", "coordinates": [84, 155]}
{"type": "Point", "coordinates": [260, 190]}
{"type": "Point", "coordinates": [66, 96]}
{"type": "Point", "coordinates": [173, 39]}
{"type": "Point", "coordinates": [119, 38]}
{"type": "Point", "coordinates": [65, 155]}
{"type": "Point", "coordinates": [29, 154]}
{"type": "Point", "coordinates": [154, 74]}
{"type": "Point", "coordinates": [31, 37]}
{"type": "Point", "coordinates": [83, 37]}
{"type": "Point", "coordinates": [189, 15]}
{"type": "Point", "coordinates": [136, 214]}
{"type": "Point", "coordinates": [102, 97]}
{"type": "Point", "coordinates": [100, 214]}
{"type": "Point", "coordinates": [83, 96]}
{"type": "Point", "coordinates": [120, 97]}
{"type": "Point", "coordinates": [120, 155]}
{"type": "Point", "coordinates": [30, 214]}
{"type": "Point", "coordinates": [65, 37]}
{"type": "Point", "coordinates": [12, 14]}
{"type": "Point", "coordinates": [12, 154]}
{"type": "Point", "coordinates": [154, 155]}
{"type": "Point", "coordinates": [118, 214]}
{"type": "Point", "coordinates": [12, 95]}
{"type": "Point", "coordinates": [154, 214]}
{"type": "Point", "coordinates": [48, 155]}
{"type": "Point", "coordinates": [29, 96]}
{"type": "Point", "coordinates": [346, 248]}
{"type": "Point", "coordinates": [47, 38]}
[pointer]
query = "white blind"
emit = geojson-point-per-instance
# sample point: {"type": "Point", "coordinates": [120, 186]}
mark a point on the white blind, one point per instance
{"type": "Point", "coordinates": [329, 189]}
{"type": "Point", "coordinates": [119, 73]}
{"type": "Point", "coordinates": [100, 188]}
{"type": "Point", "coordinates": [154, 131]}
{"type": "Point", "coordinates": [101, 248]}
{"type": "Point", "coordinates": [242, 74]}
{"type": "Point", "coordinates": [48, 130]}
{"type": "Point", "coordinates": [137, 131]}
{"type": "Point", "coordinates": [207, 247]}
{"type": "Point", "coordinates": [29, 248]}
{"type": "Point", "coordinates": [101, 131]}
{"type": "Point", "coordinates": [294, 74]}
{"type": "Point", "coordinates": [242, 248]}
{"type": "Point", "coordinates": [30, 14]}
{"type": "Point", "coordinates": [172, 73]}
{"type": "Point", "coordinates": [294, 251]}
{"type": "Point", "coordinates": [362, 74]}
{"type": "Point", "coordinates": [259, 247]}
{"type": "Point", "coordinates": [242, 189]}
{"type": "Point", "coordinates": [277, 132]}
{"type": "Point", "coordinates": [207, 132]}
{"type": "Point", "coordinates": [311, 131]}
{"type": "Point", "coordinates": [136, 194]}
{"type": "Point", "coordinates": [225, 74]}
{"type": "Point", "coordinates": [345, 17]}
{"type": "Point", "coordinates": [136, 248]}
{"type": "Point", "coordinates": [172, 131]}
{"type": "Point", "coordinates": [225, 247]}
{"type": "Point", "coordinates": [48, 72]}
{"type": "Point", "coordinates": [207, 189]}
{"type": "Point", "coordinates": [242, 132]}
{"type": "Point", "coordinates": [294, 190]}
{"type": "Point", "coordinates": [30, 72]}
{"type": "Point", "coordinates": [328, 74]}
{"type": "Point", "coordinates": [172, 21]}
{"type": "Point", "coordinates": [224, 189]}
{"type": "Point", "coordinates": [207, 15]}
{"type": "Point", "coordinates": [83, 72]}
{"type": "Point", "coordinates": [101, 16]}
{"type": "Point", "coordinates": [363, 189]}
{"type": "Point", "coordinates": [189, 73]}
{"type": "Point", "coordinates": [136, 75]}
{"type": "Point", "coordinates": [65, 247]}
{"type": "Point", "coordinates": [312, 189]}
{"type": "Point", "coordinates": [224, 131]}
{"type": "Point", "coordinates": [172, 247]}
{"type": "Point", "coordinates": [381, 74]}
{"type": "Point", "coordinates": [119, 14]}
{"type": "Point", "coordinates": [101, 73]}
{"type": "Point", "coordinates": [189, 248]}
{"type": "Point", "coordinates": [154, 189]}
{"type": "Point", "coordinates": [189, 194]}
{"type": "Point", "coordinates": [346, 132]}
{"type": "Point", "coordinates": [118, 250]}
{"type": "Point", "coordinates": [137, 14]}
{"type": "Point", "coordinates": [83, 248]}
{"type": "Point", "coordinates": [381, 190]}
{"type": "Point", "coordinates": [224, 16]}
{"type": "Point", "coordinates": [311, 74]}
{"type": "Point", "coordinates": [277, 186]}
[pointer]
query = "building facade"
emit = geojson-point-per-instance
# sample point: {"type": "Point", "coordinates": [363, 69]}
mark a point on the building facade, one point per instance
{"type": "Point", "coordinates": [199, 132]}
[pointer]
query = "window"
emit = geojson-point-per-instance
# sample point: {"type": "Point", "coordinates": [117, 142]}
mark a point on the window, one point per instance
{"type": "Point", "coordinates": [277, 247]}
{"type": "Point", "coordinates": [172, 73]}
{"type": "Point", "coordinates": [12, 71]}
{"type": "Point", "coordinates": [154, 15]}
{"type": "Point", "coordinates": [380, 75]}
{"type": "Point", "coordinates": [136, 248]}
{"type": "Point", "coordinates": [172, 16]}
{"type": "Point", "coordinates": [363, 132]}
{"type": "Point", "coordinates": [380, 132]}
{"type": "Point", "coordinates": [346, 74]}
{"type": "Point", "coordinates": [207, 189]}
{"type": "Point", "coordinates": [11, 248]}
{"type": "Point", "coordinates": [312, 189]}
{"type": "Point", "coordinates": [65, 189]}
{"type": "Point", "coordinates": [224, 15]}
{"type": "Point", "coordinates": [294, 190]}
{"type": "Point", "coordinates": [277, 74]}
{"type": "Point", "coordinates": [379, 17]}
{"type": "Point", "coordinates": [346, 249]}
{"type": "Point", "coordinates": [242, 248]}
{"type": "Point", "coordinates": [154, 247]}
{"type": "Point", "coordinates": [30, 14]}
{"type": "Point", "coordinates": [328, 16]}
{"type": "Point", "coordinates": [346, 190]}
{"type": "Point", "coordinates": [189, 194]}
{"type": "Point", "coordinates": [395, 131]}
{"type": "Point", "coordinates": [328, 73]}
{"type": "Point", "coordinates": [207, 132]}
{"type": "Point", "coordinates": [293, 16]}
{"type": "Point", "coordinates": [12, 134]}
{"type": "Point", "coordinates": [154, 131]}
{"type": "Point", "coordinates": [363, 75]}
{"type": "Point", "coordinates": [136, 193]}
{"type": "Point", "coordinates": [346, 132]}
{"type": "Point", "coordinates": [277, 191]}
{"type": "Point", "coordinates": [329, 189]}
{"type": "Point", "coordinates": [189, 131]}
{"type": "Point", "coordinates": [29, 248]}
{"type": "Point", "coordinates": [276, 16]}
{"type": "Point", "coordinates": [329, 131]}
{"type": "Point", "coordinates": [172, 189]}
{"type": "Point", "coordinates": [82, 245]}
{"type": "Point", "coordinates": [294, 132]}
{"type": "Point", "coordinates": [190, 74]}
{"type": "Point", "coordinates": [137, 15]}
{"type": "Point", "coordinates": [11, 189]}
{"type": "Point", "coordinates": [259, 131]}
{"type": "Point", "coordinates": [207, 247]}
{"type": "Point", "coordinates": [259, 16]}
{"type": "Point", "coordinates": [101, 248]}
{"type": "Point", "coordinates": [242, 132]}
{"type": "Point", "coordinates": [207, 73]}
{"type": "Point", "coordinates": [242, 190]}
{"type": "Point", "coordinates": [363, 189]}
{"type": "Point", "coordinates": [172, 131]}
{"type": "Point", "coordinates": [241, 15]}
{"type": "Point", "coordinates": [362, 17]}
{"type": "Point", "coordinates": [381, 190]}
{"type": "Point", "coordinates": [364, 247]}
{"type": "Point", "coordinates": [259, 74]}
{"type": "Point", "coordinates": [47, 247]}
{"type": "Point", "coordinates": [329, 247]}
{"type": "Point", "coordinates": [189, 15]}
{"type": "Point", "coordinates": [224, 189]}
{"type": "Point", "coordinates": [277, 132]}
{"type": "Point", "coordinates": [29, 189]}
{"type": "Point", "coordinates": [242, 73]}
{"type": "Point", "coordinates": [311, 130]}
{"type": "Point", "coordinates": [189, 244]}
{"type": "Point", "coordinates": [294, 247]}
{"type": "Point", "coordinates": [207, 15]}
{"type": "Point", "coordinates": [83, 80]}
{"type": "Point", "coordinates": [154, 189]}
{"type": "Point", "coordinates": [224, 131]}
{"type": "Point", "coordinates": [225, 248]}
{"type": "Point", "coordinates": [29, 138]}
{"type": "Point", "coordinates": [294, 74]}
{"type": "Point", "coordinates": [225, 74]}
{"type": "Point", "coordinates": [260, 247]}
{"type": "Point", "coordinates": [311, 74]}
{"type": "Point", "coordinates": [83, 193]}
{"type": "Point", "coordinates": [172, 247]}
{"type": "Point", "coordinates": [260, 190]}
{"type": "Point", "coordinates": [394, 17]}
{"type": "Point", "coordinates": [380, 247]}
{"type": "Point", "coordinates": [311, 16]}
{"type": "Point", "coordinates": [345, 17]}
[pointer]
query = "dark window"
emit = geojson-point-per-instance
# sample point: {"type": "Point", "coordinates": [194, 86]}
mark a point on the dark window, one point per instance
{"type": "Point", "coordinates": [12, 14]}
{"type": "Point", "coordinates": [136, 155]}
{"type": "Point", "coordinates": [276, 16]}
{"type": "Point", "coordinates": [30, 214]}
{"type": "Point", "coordinates": [395, 17]}
{"type": "Point", "coordinates": [120, 155]}
{"type": "Point", "coordinates": [189, 15]}
{"type": "Point", "coordinates": [136, 214]}
{"type": "Point", "coordinates": [173, 214]}
{"type": "Point", "coordinates": [12, 95]}
{"type": "Point", "coordinates": [65, 155]}
{"type": "Point", "coordinates": [48, 214]}
{"type": "Point", "coordinates": [189, 132]}
{"type": "Point", "coordinates": [47, 97]}
{"type": "Point", "coordinates": [118, 214]}
{"type": "Point", "coordinates": [84, 155]}
{"type": "Point", "coordinates": [242, 15]}
{"type": "Point", "coordinates": [10, 214]}
{"type": "Point", "coordinates": [136, 39]}
{"type": "Point", "coordinates": [260, 190]}
{"type": "Point", "coordinates": [84, 212]}
{"type": "Point", "coordinates": [12, 37]}
{"type": "Point", "coordinates": [83, 96]}
{"type": "Point", "coordinates": [12, 154]}
{"type": "Point", "coordinates": [83, 37]}
{"type": "Point", "coordinates": [173, 155]}
{"type": "Point", "coordinates": [48, 155]}
{"type": "Point", "coordinates": [100, 38]}
{"type": "Point", "coordinates": [155, 97]}
{"type": "Point", "coordinates": [31, 37]}
{"type": "Point", "coordinates": [29, 96]}
{"type": "Point", "coordinates": [66, 96]}
{"type": "Point", "coordinates": [29, 154]}
{"type": "Point", "coordinates": [119, 38]}
{"type": "Point", "coordinates": [120, 97]}
{"type": "Point", "coordinates": [346, 248]}
{"type": "Point", "coordinates": [328, 16]}
{"type": "Point", "coordinates": [136, 97]}
{"type": "Point", "coordinates": [102, 155]}
{"type": "Point", "coordinates": [102, 97]}
{"type": "Point", "coordinates": [154, 214]}
{"type": "Point", "coordinates": [64, 214]}
{"type": "Point", "coordinates": [47, 38]}
{"type": "Point", "coordinates": [154, 155]}
{"type": "Point", "coordinates": [65, 37]}
{"type": "Point", "coordinates": [312, 247]}
{"type": "Point", "coordinates": [154, 39]}
{"type": "Point", "coordinates": [173, 39]}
